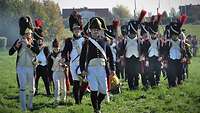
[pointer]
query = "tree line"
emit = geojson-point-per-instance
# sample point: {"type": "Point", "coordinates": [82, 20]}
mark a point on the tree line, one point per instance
{"type": "Point", "coordinates": [48, 11]}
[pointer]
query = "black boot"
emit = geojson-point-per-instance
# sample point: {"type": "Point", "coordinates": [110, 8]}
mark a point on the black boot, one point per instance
{"type": "Point", "coordinates": [76, 88]}
{"type": "Point", "coordinates": [100, 99]}
{"type": "Point", "coordinates": [83, 88]}
{"type": "Point", "coordinates": [94, 100]}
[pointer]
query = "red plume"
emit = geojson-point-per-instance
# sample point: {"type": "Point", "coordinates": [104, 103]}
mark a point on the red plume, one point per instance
{"type": "Point", "coordinates": [183, 19]}
{"type": "Point", "coordinates": [142, 14]}
{"type": "Point", "coordinates": [38, 23]}
{"type": "Point", "coordinates": [115, 24]}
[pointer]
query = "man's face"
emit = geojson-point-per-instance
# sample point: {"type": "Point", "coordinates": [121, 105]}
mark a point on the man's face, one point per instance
{"type": "Point", "coordinates": [153, 36]}
{"type": "Point", "coordinates": [28, 35]}
{"type": "Point", "coordinates": [132, 35]}
{"type": "Point", "coordinates": [76, 30]}
{"type": "Point", "coordinates": [95, 32]}
{"type": "Point", "coordinates": [40, 42]}
{"type": "Point", "coordinates": [56, 49]}
{"type": "Point", "coordinates": [145, 36]}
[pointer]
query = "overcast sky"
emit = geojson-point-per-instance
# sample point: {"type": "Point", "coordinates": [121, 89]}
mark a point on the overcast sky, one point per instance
{"type": "Point", "coordinates": [149, 5]}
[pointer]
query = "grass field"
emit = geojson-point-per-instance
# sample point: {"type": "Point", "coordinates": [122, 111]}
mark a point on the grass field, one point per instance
{"type": "Point", "coordinates": [182, 99]}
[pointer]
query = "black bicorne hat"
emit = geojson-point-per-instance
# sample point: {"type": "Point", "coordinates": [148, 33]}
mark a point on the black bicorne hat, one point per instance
{"type": "Point", "coordinates": [133, 24]}
{"type": "Point", "coordinates": [95, 22]}
{"type": "Point", "coordinates": [175, 27]}
{"type": "Point", "coordinates": [109, 34]}
{"type": "Point", "coordinates": [144, 28]}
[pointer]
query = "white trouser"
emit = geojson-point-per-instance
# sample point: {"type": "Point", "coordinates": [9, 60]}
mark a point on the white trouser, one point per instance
{"type": "Point", "coordinates": [26, 77]}
{"type": "Point", "coordinates": [74, 71]}
{"type": "Point", "coordinates": [97, 78]}
{"type": "Point", "coordinates": [59, 80]}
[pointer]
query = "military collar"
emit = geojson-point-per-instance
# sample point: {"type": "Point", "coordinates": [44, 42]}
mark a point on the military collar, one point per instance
{"type": "Point", "coordinates": [76, 38]}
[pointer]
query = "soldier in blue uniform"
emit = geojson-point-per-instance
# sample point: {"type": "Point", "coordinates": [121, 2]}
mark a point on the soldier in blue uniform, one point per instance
{"type": "Point", "coordinates": [72, 49]}
{"type": "Point", "coordinates": [131, 52]}
{"type": "Point", "coordinates": [153, 53]}
{"type": "Point", "coordinates": [41, 58]}
{"type": "Point", "coordinates": [177, 53]}
{"type": "Point", "coordinates": [94, 59]}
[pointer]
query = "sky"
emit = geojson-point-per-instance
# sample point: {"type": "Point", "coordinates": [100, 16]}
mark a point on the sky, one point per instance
{"type": "Point", "coordinates": [148, 5]}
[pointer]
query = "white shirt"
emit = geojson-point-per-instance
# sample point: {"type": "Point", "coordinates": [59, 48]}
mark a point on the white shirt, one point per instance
{"type": "Point", "coordinates": [132, 48]}
{"type": "Point", "coordinates": [153, 50]}
{"type": "Point", "coordinates": [175, 50]}
{"type": "Point", "coordinates": [57, 63]}
{"type": "Point", "coordinates": [42, 58]}
{"type": "Point", "coordinates": [76, 50]}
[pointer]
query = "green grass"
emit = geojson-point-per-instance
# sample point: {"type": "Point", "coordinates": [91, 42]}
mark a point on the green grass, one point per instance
{"type": "Point", "coordinates": [192, 29]}
{"type": "Point", "coordinates": [183, 99]}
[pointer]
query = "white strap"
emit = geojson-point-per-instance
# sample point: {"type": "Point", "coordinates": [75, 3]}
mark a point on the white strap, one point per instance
{"type": "Point", "coordinates": [98, 47]}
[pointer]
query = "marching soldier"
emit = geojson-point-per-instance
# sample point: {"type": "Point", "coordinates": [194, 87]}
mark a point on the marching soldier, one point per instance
{"type": "Point", "coordinates": [120, 63]}
{"type": "Point", "coordinates": [95, 55]}
{"type": "Point", "coordinates": [26, 48]}
{"type": "Point", "coordinates": [41, 58]}
{"type": "Point", "coordinates": [144, 45]}
{"type": "Point", "coordinates": [153, 51]}
{"type": "Point", "coordinates": [73, 48]}
{"type": "Point", "coordinates": [131, 51]}
{"type": "Point", "coordinates": [177, 54]}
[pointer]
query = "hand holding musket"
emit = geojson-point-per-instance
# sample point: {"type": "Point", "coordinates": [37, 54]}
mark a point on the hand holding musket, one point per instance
{"type": "Point", "coordinates": [83, 76]}
{"type": "Point", "coordinates": [62, 63]}
{"type": "Point", "coordinates": [27, 40]}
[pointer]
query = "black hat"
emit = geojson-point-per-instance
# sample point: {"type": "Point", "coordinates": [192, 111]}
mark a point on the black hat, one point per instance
{"type": "Point", "coordinates": [109, 34]}
{"type": "Point", "coordinates": [97, 23]}
{"type": "Point", "coordinates": [55, 43]}
{"type": "Point", "coordinates": [110, 28]}
{"type": "Point", "coordinates": [38, 32]}
{"type": "Point", "coordinates": [175, 27]}
{"type": "Point", "coordinates": [75, 19]}
{"type": "Point", "coordinates": [133, 24]}
{"type": "Point", "coordinates": [154, 24]}
{"type": "Point", "coordinates": [93, 22]}
{"type": "Point", "coordinates": [144, 28]}
{"type": "Point", "coordinates": [24, 23]}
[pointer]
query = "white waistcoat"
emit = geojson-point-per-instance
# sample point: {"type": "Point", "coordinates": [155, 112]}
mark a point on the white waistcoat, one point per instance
{"type": "Point", "coordinates": [76, 50]}
{"type": "Point", "coordinates": [153, 50]}
{"type": "Point", "coordinates": [175, 50]}
{"type": "Point", "coordinates": [132, 48]}
{"type": "Point", "coordinates": [25, 57]}
{"type": "Point", "coordinates": [57, 63]}
{"type": "Point", "coordinates": [42, 58]}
